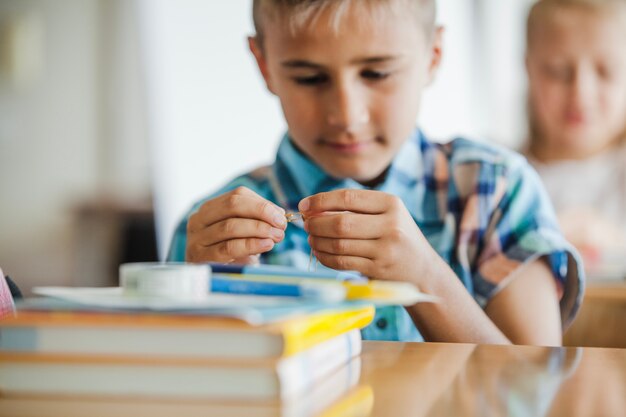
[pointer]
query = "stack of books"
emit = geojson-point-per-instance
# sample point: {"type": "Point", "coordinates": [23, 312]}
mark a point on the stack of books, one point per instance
{"type": "Point", "coordinates": [261, 341]}
{"type": "Point", "coordinates": [71, 351]}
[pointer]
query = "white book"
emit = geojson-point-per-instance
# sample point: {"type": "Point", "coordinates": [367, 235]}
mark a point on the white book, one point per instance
{"type": "Point", "coordinates": [337, 395]}
{"type": "Point", "coordinates": [266, 379]}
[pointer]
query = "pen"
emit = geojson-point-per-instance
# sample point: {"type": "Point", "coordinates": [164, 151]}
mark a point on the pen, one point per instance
{"type": "Point", "coordinates": [285, 271]}
{"type": "Point", "coordinates": [329, 292]}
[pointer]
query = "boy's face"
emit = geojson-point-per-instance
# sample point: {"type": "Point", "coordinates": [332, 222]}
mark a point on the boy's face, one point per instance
{"type": "Point", "coordinates": [577, 74]}
{"type": "Point", "coordinates": [350, 95]}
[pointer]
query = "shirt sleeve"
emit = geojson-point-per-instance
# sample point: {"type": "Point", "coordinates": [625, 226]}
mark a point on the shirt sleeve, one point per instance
{"type": "Point", "coordinates": [520, 228]}
{"type": "Point", "coordinates": [178, 243]}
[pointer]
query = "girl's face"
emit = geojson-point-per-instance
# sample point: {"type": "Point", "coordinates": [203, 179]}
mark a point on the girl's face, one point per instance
{"type": "Point", "coordinates": [576, 64]}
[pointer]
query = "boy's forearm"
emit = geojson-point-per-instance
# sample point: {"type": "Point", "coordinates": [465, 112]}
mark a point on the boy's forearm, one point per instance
{"type": "Point", "coordinates": [457, 317]}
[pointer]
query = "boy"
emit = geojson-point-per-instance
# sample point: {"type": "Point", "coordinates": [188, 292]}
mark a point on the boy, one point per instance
{"type": "Point", "coordinates": [462, 221]}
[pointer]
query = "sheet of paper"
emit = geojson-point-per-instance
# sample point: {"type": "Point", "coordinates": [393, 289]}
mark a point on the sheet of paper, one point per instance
{"type": "Point", "coordinates": [252, 309]}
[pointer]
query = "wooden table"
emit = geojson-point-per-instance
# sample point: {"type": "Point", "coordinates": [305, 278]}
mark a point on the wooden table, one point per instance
{"type": "Point", "coordinates": [601, 321]}
{"type": "Point", "coordinates": [418, 379]}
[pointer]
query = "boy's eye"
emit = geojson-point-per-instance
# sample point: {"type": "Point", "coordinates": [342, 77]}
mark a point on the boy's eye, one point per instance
{"type": "Point", "coordinates": [374, 75]}
{"type": "Point", "coordinates": [312, 79]}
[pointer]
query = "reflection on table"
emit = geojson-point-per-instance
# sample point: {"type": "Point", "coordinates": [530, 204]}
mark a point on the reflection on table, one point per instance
{"type": "Point", "coordinates": [468, 380]}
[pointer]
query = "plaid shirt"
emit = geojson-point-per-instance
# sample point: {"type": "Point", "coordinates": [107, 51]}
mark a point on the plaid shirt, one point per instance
{"type": "Point", "coordinates": [482, 208]}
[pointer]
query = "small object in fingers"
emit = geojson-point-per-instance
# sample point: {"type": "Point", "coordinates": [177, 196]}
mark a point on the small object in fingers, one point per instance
{"type": "Point", "coordinates": [293, 216]}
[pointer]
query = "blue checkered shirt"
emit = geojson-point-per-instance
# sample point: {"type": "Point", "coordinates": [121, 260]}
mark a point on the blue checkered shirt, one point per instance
{"type": "Point", "coordinates": [482, 208]}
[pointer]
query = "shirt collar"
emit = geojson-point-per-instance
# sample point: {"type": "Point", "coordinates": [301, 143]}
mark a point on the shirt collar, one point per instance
{"type": "Point", "coordinates": [303, 176]}
{"type": "Point", "coordinates": [407, 167]}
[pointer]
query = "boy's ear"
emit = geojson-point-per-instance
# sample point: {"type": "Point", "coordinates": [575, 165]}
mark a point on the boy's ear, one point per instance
{"type": "Point", "coordinates": [436, 53]}
{"type": "Point", "coordinates": [261, 62]}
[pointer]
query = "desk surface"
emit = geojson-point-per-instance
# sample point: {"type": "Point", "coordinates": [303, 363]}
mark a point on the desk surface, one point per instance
{"type": "Point", "coordinates": [422, 379]}
{"type": "Point", "coordinates": [467, 380]}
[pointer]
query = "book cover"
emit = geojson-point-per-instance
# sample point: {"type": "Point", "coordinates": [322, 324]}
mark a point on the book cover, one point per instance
{"type": "Point", "coordinates": [175, 336]}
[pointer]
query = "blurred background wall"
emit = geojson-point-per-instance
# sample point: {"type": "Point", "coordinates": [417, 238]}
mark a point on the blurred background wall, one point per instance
{"type": "Point", "coordinates": [72, 136]}
{"type": "Point", "coordinates": [109, 106]}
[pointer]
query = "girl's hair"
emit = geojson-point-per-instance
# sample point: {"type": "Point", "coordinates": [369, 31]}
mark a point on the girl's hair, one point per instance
{"type": "Point", "coordinates": [298, 13]}
{"type": "Point", "coordinates": [543, 10]}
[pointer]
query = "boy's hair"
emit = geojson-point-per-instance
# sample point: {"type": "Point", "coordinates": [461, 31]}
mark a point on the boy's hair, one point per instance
{"type": "Point", "coordinates": [297, 13]}
{"type": "Point", "coordinates": [544, 9]}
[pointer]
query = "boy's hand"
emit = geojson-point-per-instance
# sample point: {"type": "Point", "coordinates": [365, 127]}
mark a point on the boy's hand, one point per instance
{"type": "Point", "coordinates": [368, 231]}
{"type": "Point", "coordinates": [234, 227]}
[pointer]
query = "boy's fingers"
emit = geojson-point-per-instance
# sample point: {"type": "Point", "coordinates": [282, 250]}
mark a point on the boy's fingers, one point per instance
{"type": "Point", "coordinates": [351, 247]}
{"type": "Point", "coordinates": [237, 204]}
{"type": "Point", "coordinates": [358, 201]}
{"type": "Point", "coordinates": [236, 228]}
{"type": "Point", "coordinates": [230, 250]}
{"type": "Point", "coordinates": [238, 248]}
{"type": "Point", "coordinates": [346, 225]}
{"type": "Point", "coordinates": [248, 260]}
{"type": "Point", "coordinates": [345, 263]}
{"type": "Point", "coordinates": [246, 205]}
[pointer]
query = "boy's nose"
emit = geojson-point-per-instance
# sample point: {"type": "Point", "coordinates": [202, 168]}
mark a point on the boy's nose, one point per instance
{"type": "Point", "coordinates": [347, 109]}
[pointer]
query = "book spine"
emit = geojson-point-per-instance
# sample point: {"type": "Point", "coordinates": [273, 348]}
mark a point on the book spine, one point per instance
{"type": "Point", "coordinates": [302, 334]}
{"type": "Point", "coordinates": [272, 381]}
{"type": "Point", "coordinates": [302, 371]}
{"type": "Point", "coordinates": [271, 341]}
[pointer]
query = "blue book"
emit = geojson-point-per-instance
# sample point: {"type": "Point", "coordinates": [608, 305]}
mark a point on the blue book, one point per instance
{"type": "Point", "coordinates": [326, 292]}
{"type": "Point", "coordinates": [286, 271]}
